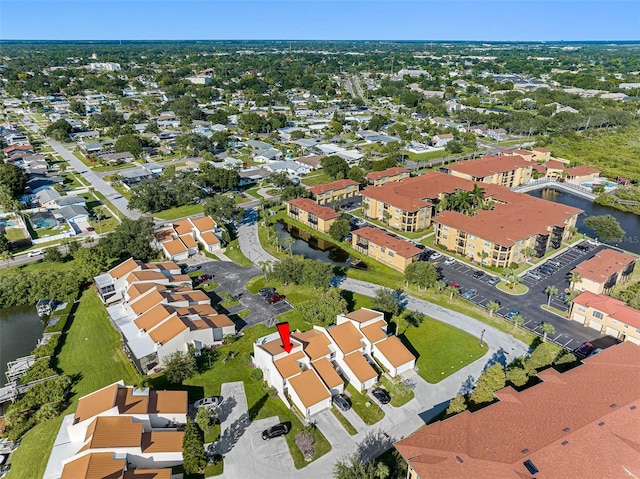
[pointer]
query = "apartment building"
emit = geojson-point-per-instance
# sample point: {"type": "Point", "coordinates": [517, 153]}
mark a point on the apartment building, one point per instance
{"type": "Point", "coordinates": [311, 214]}
{"type": "Point", "coordinates": [604, 271]}
{"type": "Point", "coordinates": [507, 232]}
{"type": "Point", "coordinates": [120, 432]}
{"type": "Point", "coordinates": [381, 246]}
{"type": "Point", "coordinates": [322, 360]}
{"type": "Point", "coordinates": [541, 154]}
{"type": "Point", "coordinates": [157, 317]}
{"type": "Point", "coordinates": [334, 192]}
{"type": "Point", "coordinates": [390, 175]}
{"type": "Point", "coordinates": [179, 240]}
{"type": "Point", "coordinates": [583, 422]}
{"type": "Point", "coordinates": [606, 315]}
{"type": "Point", "coordinates": [508, 171]}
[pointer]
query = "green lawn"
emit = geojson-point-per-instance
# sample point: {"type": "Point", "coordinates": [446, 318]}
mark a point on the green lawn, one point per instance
{"type": "Point", "coordinates": [316, 178]}
{"type": "Point", "coordinates": [441, 349]}
{"type": "Point", "coordinates": [399, 392]}
{"type": "Point", "coordinates": [364, 406]}
{"type": "Point", "coordinates": [91, 354]}
{"type": "Point", "coordinates": [14, 234]}
{"type": "Point", "coordinates": [517, 290]}
{"type": "Point", "coordinates": [83, 159]}
{"type": "Point", "coordinates": [232, 251]}
{"type": "Point", "coordinates": [179, 212]}
{"type": "Point", "coordinates": [344, 421]}
{"type": "Point", "coordinates": [122, 190]}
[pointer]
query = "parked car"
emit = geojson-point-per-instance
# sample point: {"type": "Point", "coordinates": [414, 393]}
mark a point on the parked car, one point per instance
{"type": "Point", "coordinates": [266, 292]}
{"type": "Point", "coordinates": [595, 351]}
{"type": "Point", "coordinates": [37, 252]}
{"type": "Point", "coordinates": [494, 280]}
{"type": "Point", "coordinates": [449, 261]}
{"type": "Point", "coordinates": [512, 313]}
{"type": "Point", "coordinates": [341, 402]}
{"type": "Point", "coordinates": [208, 402]}
{"type": "Point", "coordinates": [478, 274]}
{"type": "Point", "coordinates": [582, 247]}
{"type": "Point", "coordinates": [381, 395]}
{"type": "Point", "coordinates": [89, 228]}
{"type": "Point", "coordinates": [453, 285]}
{"type": "Point", "coordinates": [275, 431]}
{"type": "Point", "coordinates": [191, 269]}
{"type": "Point", "coordinates": [347, 238]}
{"type": "Point", "coordinates": [584, 349]}
{"type": "Point", "coordinates": [470, 293]}
{"type": "Point", "coordinates": [204, 277]}
{"type": "Point", "coordinates": [554, 262]}
{"type": "Point", "coordinates": [275, 298]}
{"type": "Point", "coordinates": [534, 275]}
{"type": "Point", "coordinates": [545, 271]}
{"type": "Point", "coordinates": [436, 255]}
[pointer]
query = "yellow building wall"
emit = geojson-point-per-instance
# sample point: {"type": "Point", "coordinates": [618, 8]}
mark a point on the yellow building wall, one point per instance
{"type": "Point", "coordinates": [397, 218]}
{"type": "Point", "coordinates": [329, 197]}
{"type": "Point", "coordinates": [303, 217]}
{"type": "Point", "coordinates": [383, 255]}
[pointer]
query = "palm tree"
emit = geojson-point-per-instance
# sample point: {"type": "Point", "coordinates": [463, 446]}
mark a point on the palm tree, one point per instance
{"type": "Point", "coordinates": [492, 307]}
{"type": "Point", "coordinates": [518, 320]}
{"type": "Point", "coordinates": [528, 252]}
{"type": "Point", "coordinates": [551, 290]}
{"type": "Point", "coordinates": [277, 241]}
{"type": "Point", "coordinates": [444, 204]}
{"type": "Point", "coordinates": [453, 291]}
{"type": "Point", "coordinates": [465, 201]}
{"type": "Point", "coordinates": [547, 328]}
{"type": "Point", "coordinates": [440, 286]}
{"type": "Point", "coordinates": [288, 243]}
{"type": "Point", "coordinates": [265, 267]}
{"type": "Point", "coordinates": [574, 277]}
{"type": "Point", "coordinates": [477, 196]}
{"type": "Point", "coordinates": [483, 256]}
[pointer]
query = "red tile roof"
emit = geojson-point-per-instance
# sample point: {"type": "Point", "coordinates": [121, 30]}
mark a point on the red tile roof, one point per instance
{"type": "Point", "coordinates": [378, 175]}
{"type": "Point", "coordinates": [604, 264]}
{"type": "Point", "coordinates": [581, 170]}
{"type": "Point", "coordinates": [335, 185]}
{"type": "Point", "coordinates": [489, 165]}
{"type": "Point", "coordinates": [613, 307]}
{"type": "Point", "coordinates": [374, 235]}
{"type": "Point", "coordinates": [584, 422]}
{"type": "Point", "coordinates": [310, 206]}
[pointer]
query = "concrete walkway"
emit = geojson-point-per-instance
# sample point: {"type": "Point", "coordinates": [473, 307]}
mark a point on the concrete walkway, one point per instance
{"type": "Point", "coordinates": [233, 415]}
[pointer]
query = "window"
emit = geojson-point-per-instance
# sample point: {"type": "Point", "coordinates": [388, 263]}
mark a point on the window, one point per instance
{"type": "Point", "coordinates": [581, 308]}
{"type": "Point", "coordinates": [471, 237]}
{"type": "Point", "coordinates": [383, 249]}
{"type": "Point", "coordinates": [486, 243]}
{"type": "Point", "coordinates": [597, 314]}
{"type": "Point", "coordinates": [391, 253]}
{"type": "Point", "coordinates": [444, 236]}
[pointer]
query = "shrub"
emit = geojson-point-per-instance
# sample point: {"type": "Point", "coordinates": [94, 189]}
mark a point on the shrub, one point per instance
{"type": "Point", "coordinates": [257, 374]}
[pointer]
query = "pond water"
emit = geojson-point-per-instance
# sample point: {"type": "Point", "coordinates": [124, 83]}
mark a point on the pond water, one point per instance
{"type": "Point", "coordinates": [20, 330]}
{"type": "Point", "coordinates": [312, 247]}
{"type": "Point", "coordinates": [629, 222]}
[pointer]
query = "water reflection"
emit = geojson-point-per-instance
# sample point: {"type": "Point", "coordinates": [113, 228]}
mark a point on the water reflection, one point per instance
{"type": "Point", "coordinates": [312, 247]}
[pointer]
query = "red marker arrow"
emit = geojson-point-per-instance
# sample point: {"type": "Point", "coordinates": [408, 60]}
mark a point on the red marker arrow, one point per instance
{"type": "Point", "coordinates": [283, 330]}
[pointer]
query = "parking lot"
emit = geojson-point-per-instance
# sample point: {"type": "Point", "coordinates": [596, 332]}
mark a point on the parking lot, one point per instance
{"type": "Point", "coordinates": [479, 291]}
{"type": "Point", "coordinates": [232, 279]}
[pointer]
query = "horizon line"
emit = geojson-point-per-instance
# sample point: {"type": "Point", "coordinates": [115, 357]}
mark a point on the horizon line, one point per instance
{"type": "Point", "coordinates": [308, 40]}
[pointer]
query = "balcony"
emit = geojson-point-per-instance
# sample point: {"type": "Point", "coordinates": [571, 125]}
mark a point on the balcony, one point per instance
{"type": "Point", "coordinates": [364, 246]}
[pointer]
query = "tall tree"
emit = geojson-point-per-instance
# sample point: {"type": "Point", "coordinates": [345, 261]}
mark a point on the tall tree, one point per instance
{"type": "Point", "coordinates": [193, 453]}
{"type": "Point", "coordinates": [13, 178]}
{"type": "Point", "coordinates": [423, 274]}
{"type": "Point", "coordinates": [551, 290]}
{"type": "Point", "coordinates": [547, 328]}
{"type": "Point", "coordinates": [355, 466]}
{"type": "Point", "coordinates": [131, 238]}
{"type": "Point", "coordinates": [492, 307]}
{"type": "Point", "coordinates": [223, 209]}
{"type": "Point", "coordinates": [179, 366]}
{"type": "Point", "coordinates": [492, 379]}
{"type": "Point", "coordinates": [386, 300]}
{"type": "Point", "coordinates": [339, 229]}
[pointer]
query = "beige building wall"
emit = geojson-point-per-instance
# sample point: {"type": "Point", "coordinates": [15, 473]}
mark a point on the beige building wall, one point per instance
{"type": "Point", "coordinates": [328, 197]}
{"type": "Point", "coordinates": [381, 254]}
{"type": "Point", "coordinates": [310, 220]}
{"type": "Point", "coordinates": [603, 323]}
{"type": "Point", "coordinates": [397, 218]}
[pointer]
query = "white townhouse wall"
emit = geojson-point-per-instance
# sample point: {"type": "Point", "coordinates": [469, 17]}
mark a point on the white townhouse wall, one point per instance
{"type": "Point", "coordinates": [177, 343]}
{"type": "Point", "coordinates": [394, 356]}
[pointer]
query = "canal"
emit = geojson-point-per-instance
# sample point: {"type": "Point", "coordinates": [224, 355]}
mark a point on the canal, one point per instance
{"type": "Point", "coordinates": [20, 330]}
{"type": "Point", "coordinates": [312, 247]}
{"type": "Point", "coordinates": [629, 222]}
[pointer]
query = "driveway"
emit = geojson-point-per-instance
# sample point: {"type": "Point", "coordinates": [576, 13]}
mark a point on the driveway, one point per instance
{"type": "Point", "coordinates": [233, 415]}
{"type": "Point", "coordinates": [248, 239]}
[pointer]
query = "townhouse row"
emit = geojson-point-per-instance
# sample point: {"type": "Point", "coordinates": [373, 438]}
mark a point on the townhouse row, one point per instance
{"type": "Point", "coordinates": [321, 360]}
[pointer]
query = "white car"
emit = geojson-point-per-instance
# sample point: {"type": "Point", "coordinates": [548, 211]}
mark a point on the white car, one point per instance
{"type": "Point", "coordinates": [210, 402]}
{"type": "Point", "coordinates": [436, 255]}
{"type": "Point", "coordinates": [37, 252]}
{"type": "Point", "coordinates": [449, 261]}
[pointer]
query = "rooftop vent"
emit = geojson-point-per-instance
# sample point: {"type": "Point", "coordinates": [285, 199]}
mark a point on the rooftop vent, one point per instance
{"type": "Point", "coordinates": [525, 451]}
{"type": "Point", "coordinates": [613, 405]}
{"type": "Point", "coordinates": [564, 443]}
{"type": "Point", "coordinates": [566, 429]}
{"type": "Point", "coordinates": [601, 423]}
{"type": "Point", "coordinates": [633, 408]}
{"type": "Point", "coordinates": [459, 459]}
{"type": "Point", "coordinates": [531, 467]}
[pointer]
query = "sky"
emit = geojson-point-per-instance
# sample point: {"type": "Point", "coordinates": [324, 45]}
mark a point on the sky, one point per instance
{"type": "Point", "coordinates": [489, 20]}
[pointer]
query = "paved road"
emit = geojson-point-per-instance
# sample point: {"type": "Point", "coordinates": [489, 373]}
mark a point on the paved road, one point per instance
{"type": "Point", "coordinates": [248, 239]}
{"type": "Point", "coordinates": [93, 179]}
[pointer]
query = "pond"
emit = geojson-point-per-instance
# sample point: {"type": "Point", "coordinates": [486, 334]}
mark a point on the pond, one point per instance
{"type": "Point", "coordinates": [629, 222]}
{"type": "Point", "coordinates": [312, 247]}
{"type": "Point", "coordinates": [20, 330]}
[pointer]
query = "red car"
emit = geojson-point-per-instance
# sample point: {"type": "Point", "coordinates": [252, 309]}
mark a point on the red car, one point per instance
{"type": "Point", "coordinates": [453, 285]}
{"type": "Point", "coordinates": [274, 299]}
{"type": "Point", "coordinates": [204, 277]}
{"type": "Point", "coordinates": [89, 228]}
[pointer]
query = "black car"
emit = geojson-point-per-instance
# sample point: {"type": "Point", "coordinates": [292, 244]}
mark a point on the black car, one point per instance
{"type": "Point", "coordinates": [381, 395]}
{"type": "Point", "coordinates": [582, 247]}
{"type": "Point", "coordinates": [266, 292]}
{"type": "Point", "coordinates": [275, 431]}
{"type": "Point", "coordinates": [341, 402]}
{"type": "Point", "coordinates": [478, 274]}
